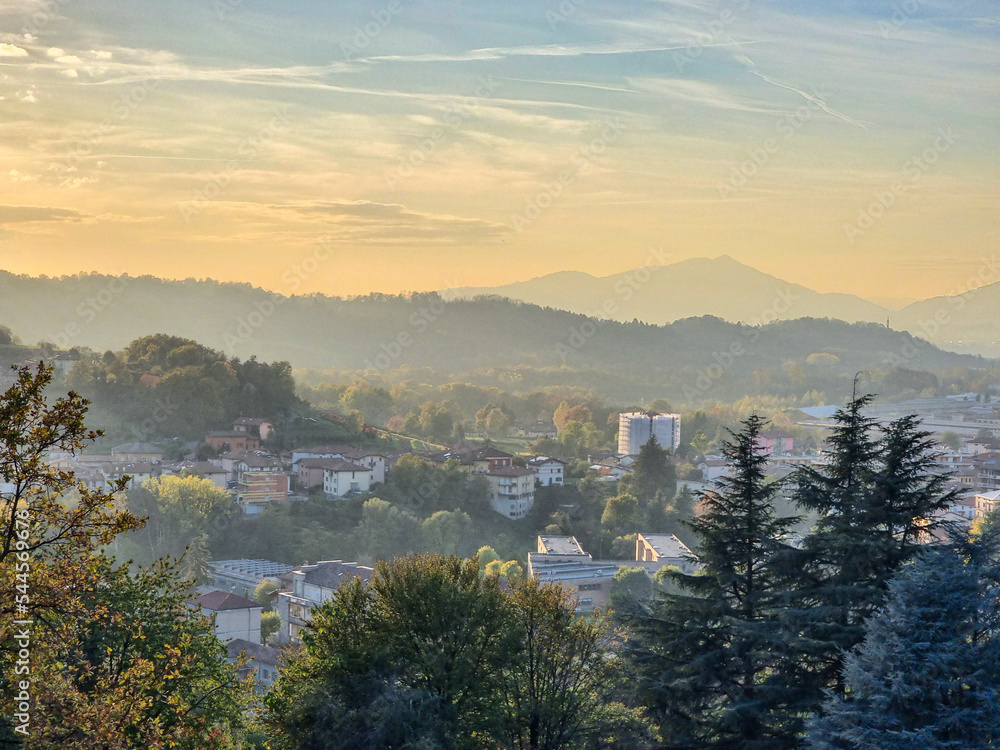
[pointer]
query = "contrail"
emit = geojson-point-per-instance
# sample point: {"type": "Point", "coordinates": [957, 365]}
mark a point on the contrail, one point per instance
{"type": "Point", "coordinates": [752, 67]}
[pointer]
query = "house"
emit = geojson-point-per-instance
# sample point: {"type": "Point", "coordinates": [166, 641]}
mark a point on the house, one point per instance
{"type": "Point", "coordinates": [986, 502]}
{"type": "Point", "coordinates": [548, 471]}
{"type": "Point", "coordinates": [242, 576]}
{"type": "Point", "coordinates": [986, 471]}
{"type": "Point", "coordinates": [770, 443]}
{"type": "Point", "coordinates": [308, 586]}
{"type": "Point", "coordinates": [235, 616]}
{"type": "Point", "coordinates": [376, 461]}
{"type": "Point", "coordinates": [261, 428]}
{"type": "Point", "coordinates": [232, 441]}
{"type": "Point", "coordinates": [260, 479]}
{"type": "Point", "coordinates": [535, 428]}
{"type": "Point", "coordinates": [511, 490]}
{"type": "Point", "coordinates": [664, 549]}
{"type": "Point", "coordinates": [713, 468]}
{"type": "Point", "coordinates": [201, 469]}
{"type": "Point", "coordinates": [342, 478]}
{"type": "Point", "coordinates": [136, 453]}
{"type": "Point", "coordinates": [260, 661]}
{"type": "Point", "coordinates": [472, 460]}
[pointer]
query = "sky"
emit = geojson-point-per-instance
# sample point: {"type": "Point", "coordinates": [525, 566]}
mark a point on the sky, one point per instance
{"type": "Point", "coordinates": [409, 145]}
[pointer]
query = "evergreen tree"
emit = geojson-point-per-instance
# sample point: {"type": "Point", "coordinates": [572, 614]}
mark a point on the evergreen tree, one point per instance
{"type": "Point", "coordinates": [654, 472]}
{"type": "Point", "coordinates": [706, 658]}
{"type": "Point", "coordinates": [876, 499]}
{"type": "Point", "coordinates": [927, 675]}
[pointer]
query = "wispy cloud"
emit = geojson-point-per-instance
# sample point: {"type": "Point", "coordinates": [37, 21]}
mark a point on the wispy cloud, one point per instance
{"type": "Point", "coordinates": [17, 214]}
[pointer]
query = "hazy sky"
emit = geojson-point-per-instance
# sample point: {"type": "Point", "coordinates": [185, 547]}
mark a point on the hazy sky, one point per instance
{"type": "Point", "coordinates": [390, 145]}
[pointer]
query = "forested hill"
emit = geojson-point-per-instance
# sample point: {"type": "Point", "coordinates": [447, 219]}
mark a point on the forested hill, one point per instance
{"type": "Point", "coordinates": [386, 332]}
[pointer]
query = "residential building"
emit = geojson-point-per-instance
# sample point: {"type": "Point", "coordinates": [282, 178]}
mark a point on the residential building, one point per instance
{"type": "Point", "coordinates": [772, 443]}
{"type": "Point", "coordinates": [235, 616]}
{"type": "Point", "coordinates": [986, 502]}
{"type": "Point", "coordinates": [664, 549]}
{"type": "Point", "coordinates": [261, 428]}
{"type": "Point", "coordinates": [713, 467]}
{"type": "Point", "coordinates": [344, 479]}
{"type": "Point", "coordinates": [232, 441]}
{"type": "Point", "coordinates": [136, 453]}
{"type": "Point", "coordinates": [260, 479]}
{"type": "Point", "coordinates": [635, 428]}
{"type": "Point", "coordinates": [375, 461]}
{"type": "Point", "coordinates": [242, 576]}
{"type": "Point", "coordinates": [308, 587]}
{"type": "Point", "coordinates": [261, 661]}
{"type": "Point", "coordinates": [986, 471]}
{"type": "Point", "coordinates": [511, 490]}
{"type": "Point", "coordinates": [548, 471]}
{"type": "Point", "coordinates": [472, 459]}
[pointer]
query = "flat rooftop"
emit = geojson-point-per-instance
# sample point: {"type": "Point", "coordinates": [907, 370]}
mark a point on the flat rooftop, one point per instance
{"type": "Point", "coordinates": [559, 545]}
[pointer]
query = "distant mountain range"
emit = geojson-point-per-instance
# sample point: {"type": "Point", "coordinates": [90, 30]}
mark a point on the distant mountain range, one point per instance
{"type": "Point", "coordinates": [738, 293]}
{"type": "Point", "coordinates": [490, 340]}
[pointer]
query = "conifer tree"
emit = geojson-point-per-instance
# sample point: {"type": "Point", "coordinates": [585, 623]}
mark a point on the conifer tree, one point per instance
{"type": "Point", "coordinates": [927, 675]}
{"type": "Point", "coordinates": [876, 498]}
{"type": "Point", "coordinates": [706, 659]}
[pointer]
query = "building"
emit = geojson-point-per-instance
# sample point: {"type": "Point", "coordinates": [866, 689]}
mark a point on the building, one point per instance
{"type": "Point", "coordinates": [374, 460]}
{"type": "Point", "coordinates": [713, 468]}
{"type": "Point", "coordinates": [561, 559]}
{"type": "Point", "coordinates": [136, 453]}
{"type": "Point", "coordinates": [774, 443]}
{"type": "Point", "coordinates": [665, 549]}
{"type": "Point", "coordinates": [235, 616]}
{"type": "Point", "coordinates": [986, 502]}
{"type": "Point", "coordinates": [232, 441]}
{"type": "Point", "coordinates": [242, 576]}
{"type": "Point", "coordinates": [511, 490]}
{"type": "Point", "coordinates": [260, 480]}
{"type": "Point", "coordinates": [634, 429]}
{"type": "Point", "coordinates": [260, 661]}
{"type": "Point", "coordinates": [986, 471]}
{"type": "Point", "coordinates": [472, 460]}
{"type": "Point", "coordinates": [548, 471]}
{"type": "Point", "coordinates": [342, 478]}
{"type": "Point", "coordinates": [261, 428]}
{"type": "Point", "coordinates": [309, 586]}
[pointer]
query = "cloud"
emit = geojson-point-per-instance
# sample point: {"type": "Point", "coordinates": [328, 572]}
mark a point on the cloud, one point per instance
{"type": "Point", "coordinates": [17, 176]}
{"type": "Point", "coordinates": [101, 54]}
{"type": "Point", "coordinates": [69, 60]}
{"type": "Point", "coordinates": [70, 73]}
{"type": "Point", "coordinates": [17, 214]}
{"type": "Point", "coordinates": [55, 52]}
{"type": "Point", "coordinates": [12, 50]}
{"type": "Point", "coordinates": [371, 221]}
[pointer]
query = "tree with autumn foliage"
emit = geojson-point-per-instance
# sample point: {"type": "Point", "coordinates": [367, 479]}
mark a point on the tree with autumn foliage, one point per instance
{"type": "Point", "coordinates": [114, 661]}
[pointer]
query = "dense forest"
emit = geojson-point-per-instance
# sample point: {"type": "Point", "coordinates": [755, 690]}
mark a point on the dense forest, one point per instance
{"type": "Point", "coordinates": [692, 360]}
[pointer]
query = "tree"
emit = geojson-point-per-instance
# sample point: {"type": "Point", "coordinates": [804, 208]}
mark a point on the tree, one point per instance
{"type": "Point", "coordinates": [415, 653]}
{"type": "Point", "coordinates": [560, 689]}
{"type": "Point", "coordinates": [387, 531]}
{"type": "Point", "coordinates": [654, 472]}
{"type": "Point", "coordinates": [270, 623]}
{"type": "Point", "coordinates": [263, 591]}
{"type": "Point", "coordinates": [877, 500]}
{"type": "Point", "coordinates": [630, 587]}
{"type": "Point", "coordinates": [7, 337]}
{"type": "Point", "coordinates": [621, 515]}
{"type": "Point", "coordinates": [706, 659]}
{"type": "Point", "coordinates": [927, 674]}
{"type": "Point", "coordinates": [118, 661]}
{"type": "Point", "coordinates": [447, 532]}
{"type": "Point", "coordinates": [951, 439]}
